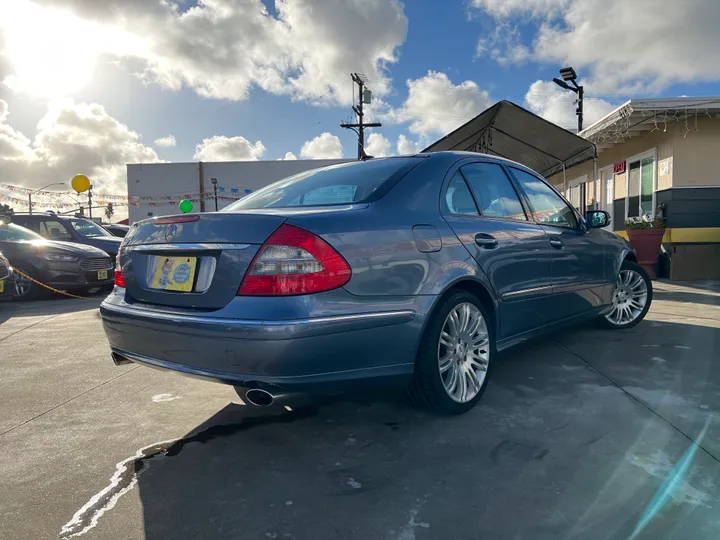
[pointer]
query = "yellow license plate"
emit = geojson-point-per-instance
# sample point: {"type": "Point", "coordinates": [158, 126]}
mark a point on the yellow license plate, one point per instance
{"type": "Point", "coordinates": [173, 273]}
{"type": "Point", "coordinates": [102, 274]}
{"type": "Point", "coordinates": [2, 286]}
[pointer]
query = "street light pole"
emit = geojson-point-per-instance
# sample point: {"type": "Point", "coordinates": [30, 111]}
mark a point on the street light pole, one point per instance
{"type": "Point", "coordinates": [569, 75]}
{"type": "Point", "coordinates": [30, 192]}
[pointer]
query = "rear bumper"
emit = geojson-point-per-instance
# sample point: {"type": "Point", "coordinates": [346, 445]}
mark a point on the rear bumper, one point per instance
{"type": "Point", "coordinates": [316, 354]}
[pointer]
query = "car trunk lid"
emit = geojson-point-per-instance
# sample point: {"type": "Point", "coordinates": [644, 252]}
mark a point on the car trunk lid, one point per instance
{"type": "Point", "coordinates": [192, 261]}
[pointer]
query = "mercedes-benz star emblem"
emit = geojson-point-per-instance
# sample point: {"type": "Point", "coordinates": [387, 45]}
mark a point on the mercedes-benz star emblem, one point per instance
{"type": "Point", "coordinates": [170, 232]}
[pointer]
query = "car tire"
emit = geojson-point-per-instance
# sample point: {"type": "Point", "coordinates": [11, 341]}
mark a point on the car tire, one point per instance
{"type": "Point", "coordinates": [632, 298]}
{"type": "Point", "coordinates": [431, 388]}
{"type": "Point", "coordinates": [33, 290]}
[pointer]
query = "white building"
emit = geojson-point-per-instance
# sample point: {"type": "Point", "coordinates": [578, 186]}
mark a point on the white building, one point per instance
{"type": "Point", "coordinates": [155, 189]}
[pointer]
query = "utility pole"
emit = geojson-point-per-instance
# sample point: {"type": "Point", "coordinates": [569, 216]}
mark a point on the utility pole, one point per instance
{"type": "Point", "coordinates": [579, 112]}
{"type": "Point", "coordinates": [214, 183]}
{"type": "Point", "coordinates": [364, 96]}
{"type": "Point", "coordinates": [90, 201]}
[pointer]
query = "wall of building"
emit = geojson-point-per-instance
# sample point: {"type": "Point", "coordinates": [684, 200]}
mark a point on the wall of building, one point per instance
{"type": "Point", "coordinates": [176, 179]}
{"type": "Point", "coordinates": [698, 154]}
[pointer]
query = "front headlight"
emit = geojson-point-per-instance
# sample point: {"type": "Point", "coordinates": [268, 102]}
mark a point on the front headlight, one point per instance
{"type": "Point", "coordinates": [58, 257]}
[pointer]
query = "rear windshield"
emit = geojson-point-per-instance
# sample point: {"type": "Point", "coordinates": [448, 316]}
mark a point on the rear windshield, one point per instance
{"type": "Point", "coordinates": [345, 183]}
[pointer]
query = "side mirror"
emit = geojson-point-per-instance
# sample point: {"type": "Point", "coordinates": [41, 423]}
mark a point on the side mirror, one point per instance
{"type": "Point", "coordinates": [597, 219]}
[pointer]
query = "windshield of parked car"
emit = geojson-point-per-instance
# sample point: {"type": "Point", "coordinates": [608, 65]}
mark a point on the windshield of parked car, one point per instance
{"type": "Point", "coordinates": [88, 229]}
{"type": "Point", "coordinates": [14, 233]}
{"type": "Point", "coordinates": [344, 183]}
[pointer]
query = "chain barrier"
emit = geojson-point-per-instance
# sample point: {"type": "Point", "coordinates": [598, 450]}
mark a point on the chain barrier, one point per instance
{"type": "Point", "coordinates": [23, 274]}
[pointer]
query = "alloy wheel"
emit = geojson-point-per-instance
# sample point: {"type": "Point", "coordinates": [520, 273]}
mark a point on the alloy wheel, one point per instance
{"type": "Point", "coordinates": [629, 299]}
{"type": "Point", "coordinates": [22, 285]}
{"type": "Point", "coordinates": [464, 352]}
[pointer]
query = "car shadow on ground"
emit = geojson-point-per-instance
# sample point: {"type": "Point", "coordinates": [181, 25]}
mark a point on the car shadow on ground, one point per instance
{"type": "Point", "coordinates": [564, 444]}
{"type": "Point", "coordinates": [54, 305]}
{"type": "Point", "coordinates": [685, 296]}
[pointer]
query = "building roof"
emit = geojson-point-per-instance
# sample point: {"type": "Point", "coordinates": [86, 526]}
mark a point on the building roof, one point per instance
{"type": "Point", "coordinates": [507, 130]}
{"type": "Point", "coordinates": [638, 115]}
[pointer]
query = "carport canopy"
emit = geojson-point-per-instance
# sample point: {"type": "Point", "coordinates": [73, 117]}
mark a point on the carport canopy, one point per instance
{"type": "Point", "coordinates": [507, 130]}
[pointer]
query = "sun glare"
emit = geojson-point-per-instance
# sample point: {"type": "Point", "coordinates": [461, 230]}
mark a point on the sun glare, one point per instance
{"type": "Point", "coordinates": [53, 53]}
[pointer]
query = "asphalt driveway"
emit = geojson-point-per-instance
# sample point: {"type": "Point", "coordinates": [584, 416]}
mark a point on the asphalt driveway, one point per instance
{"type": "Point", "coordinates": [586, 434]}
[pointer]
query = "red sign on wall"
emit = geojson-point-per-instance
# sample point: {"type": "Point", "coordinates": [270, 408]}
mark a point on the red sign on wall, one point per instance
{"type": "Point", "coordinates": [619, 168]}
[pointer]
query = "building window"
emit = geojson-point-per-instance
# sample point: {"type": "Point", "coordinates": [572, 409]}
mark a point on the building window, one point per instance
{"type": "Point", "coordinates": [640, 187]}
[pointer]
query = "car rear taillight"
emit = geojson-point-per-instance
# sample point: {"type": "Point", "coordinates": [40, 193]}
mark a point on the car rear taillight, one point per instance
{"type": "Point", "coordinates": [119, 279]}
{"type": "Point", "coordinates": [294, 261]}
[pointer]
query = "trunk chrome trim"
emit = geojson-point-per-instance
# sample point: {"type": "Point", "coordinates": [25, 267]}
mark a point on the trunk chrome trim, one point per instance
{"type": "Point", "coordinates": [183, 247]}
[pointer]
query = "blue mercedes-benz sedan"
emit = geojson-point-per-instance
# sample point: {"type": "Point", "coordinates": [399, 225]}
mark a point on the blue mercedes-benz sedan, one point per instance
{"type": "Point", "coordinates": [416, 270]}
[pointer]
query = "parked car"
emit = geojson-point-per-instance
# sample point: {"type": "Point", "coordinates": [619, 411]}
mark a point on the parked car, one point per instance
{"type": "Point", "coordinates": [61, 265]}
{"type": "Point", "coordinates": [7, 278]}
{"type": "Point", "coordinates": [79, 230]}
{"type": "Point", "coordinates": [417, 270]}
{"type": "Point", "coordinates": [116, 229]}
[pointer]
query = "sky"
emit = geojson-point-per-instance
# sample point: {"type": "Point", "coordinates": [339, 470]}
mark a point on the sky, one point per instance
{"type": "Point", "coordinates": [87, 86]}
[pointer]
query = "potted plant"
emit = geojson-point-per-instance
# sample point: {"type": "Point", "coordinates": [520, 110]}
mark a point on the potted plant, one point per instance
{"type": "Point", "coordinates": [645, 235]}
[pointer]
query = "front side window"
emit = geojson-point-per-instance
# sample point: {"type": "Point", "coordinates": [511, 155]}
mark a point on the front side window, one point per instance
{"type": "Point", "coordinates": [458, 198]}
{"type": "Point", "coordinates": [548, 207]}
{"type": "Point", "coordinates": [493, 191]}
{"type": "Point", "coordinates": [54, 230]}
{"type": "Point", "coordinates": [88, 229]}
{"type": "Point", "coordinates": [345, 183]}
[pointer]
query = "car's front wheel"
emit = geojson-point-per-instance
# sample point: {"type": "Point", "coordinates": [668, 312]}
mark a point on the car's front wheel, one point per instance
{"type": "Point", "coordinates": [452, 366]}
{"type": "Point", "coordinates": [632, 297]}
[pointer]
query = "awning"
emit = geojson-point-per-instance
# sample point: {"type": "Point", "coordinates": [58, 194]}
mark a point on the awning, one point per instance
{"type": "Point", "coordinates": [507, 130]}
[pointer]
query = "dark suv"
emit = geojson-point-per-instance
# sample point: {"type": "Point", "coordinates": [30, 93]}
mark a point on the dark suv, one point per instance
{"type": "Point", "coordinates": [70, 229]}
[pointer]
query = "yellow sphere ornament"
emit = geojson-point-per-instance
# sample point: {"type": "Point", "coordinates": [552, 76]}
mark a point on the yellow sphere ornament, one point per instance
{"type": "Point", "coordinates": [80, 183]}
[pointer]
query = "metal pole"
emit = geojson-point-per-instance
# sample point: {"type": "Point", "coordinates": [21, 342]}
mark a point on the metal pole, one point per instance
{"type": "Point", "coordinates": [565, 193]}
{"type": "Point", "coordinates": [581, 94]}
{"type": "Point", "coordinates": [595, 183]}
{"type": "Point", "coordinates": [214, 183]}
{"type": "Point", "coordinates": [90, 201]}
{"type": "Point", "coordinates": [30, 202]}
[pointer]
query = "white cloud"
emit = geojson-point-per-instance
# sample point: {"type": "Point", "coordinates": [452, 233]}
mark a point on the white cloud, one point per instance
{"type": "Point", "coordinates": [222, 48]}
{"type": "Point", "coordinates": [621, 46]}
{"type": "Point", "coordinates": [325, 146]}
{"type": "Point", "coordinates": [377, 145]}
{"type": "Point", "coordinates": [504, 45]}
{"type": "Point", "coordinates": [548, 100]}
{"type": "Point", "coordinates": [289, 156]}
{"type": "Point", "coordinates": [221, 148]}
{"type": "Point", "coordinates": [71, 138]}
{"type": "Point", "coordinates": [406, 146]}
{"type": "Point", "coordinates": [166, 142]}
{"type": "Point", "coordinates": [435, 106]}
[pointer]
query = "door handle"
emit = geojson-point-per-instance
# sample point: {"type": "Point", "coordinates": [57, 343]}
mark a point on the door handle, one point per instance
{"type": "Point", "coordinates": [485, 240]}
{"type": "Point", "coordinates": [556, 243]}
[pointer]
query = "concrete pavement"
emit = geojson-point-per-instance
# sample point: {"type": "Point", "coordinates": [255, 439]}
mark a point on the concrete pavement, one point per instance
{"type": "Point", "coordinates": [587, 433]}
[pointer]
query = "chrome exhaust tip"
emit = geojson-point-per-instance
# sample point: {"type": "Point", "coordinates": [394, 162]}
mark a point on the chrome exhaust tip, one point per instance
{"type": "Point", "coordinates": [259, 397]}
{"type": "Point", "coordinates": [119, 360]}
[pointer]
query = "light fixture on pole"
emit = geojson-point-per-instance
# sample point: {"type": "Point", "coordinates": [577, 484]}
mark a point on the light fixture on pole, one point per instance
{"type": "Point", "coordinates": [568, 75]}
{"type": "Point", "coordinates": [30, 193]}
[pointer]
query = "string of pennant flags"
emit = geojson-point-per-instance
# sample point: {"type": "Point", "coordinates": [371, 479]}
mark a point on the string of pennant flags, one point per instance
{"type": "Point", "coordinates": [103, 199]}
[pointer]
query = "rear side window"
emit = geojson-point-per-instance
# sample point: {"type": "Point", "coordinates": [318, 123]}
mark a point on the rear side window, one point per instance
{"type": "Point", "coordinates": [493, 191]}
{"type": "Point", "coordinates": [458, 198]}
{"type": "Point", "coordinates": [345, 183]}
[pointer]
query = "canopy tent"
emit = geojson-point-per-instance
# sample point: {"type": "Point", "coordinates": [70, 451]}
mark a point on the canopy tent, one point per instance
{"type": "Point", "coordinates": [507, 130]}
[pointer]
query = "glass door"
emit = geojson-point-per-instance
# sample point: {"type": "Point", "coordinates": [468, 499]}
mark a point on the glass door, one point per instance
{"type": "Point", "coordinates": [640, 187]}
{"type": "Point", "coordinates": [607, 185]}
